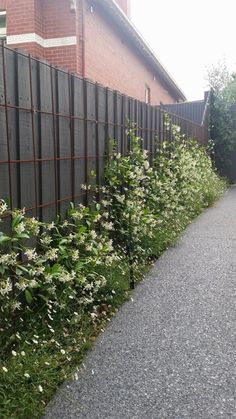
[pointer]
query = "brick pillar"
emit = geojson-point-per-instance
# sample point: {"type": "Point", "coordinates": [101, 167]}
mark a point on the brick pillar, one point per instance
{"type": "Point", "coordinates": [60, 27]}
{"type": "Point", "coordinates": [25, 25]}
{"type": "Point", "coordinates": [45, 28]}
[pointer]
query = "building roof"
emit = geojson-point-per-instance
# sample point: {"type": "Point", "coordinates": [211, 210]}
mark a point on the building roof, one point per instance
{"type": "Point", "coordinates": [128, 28]}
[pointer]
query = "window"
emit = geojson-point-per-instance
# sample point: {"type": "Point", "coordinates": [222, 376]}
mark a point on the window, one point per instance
{"type": "Point", "coordinates": [147, 94]}
{"type": "Point", "coordinates": [3, 26]}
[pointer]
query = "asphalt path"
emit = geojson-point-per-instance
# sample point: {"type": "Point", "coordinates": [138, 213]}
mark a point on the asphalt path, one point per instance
{"type": "Point", "coordinates": [170, 352]}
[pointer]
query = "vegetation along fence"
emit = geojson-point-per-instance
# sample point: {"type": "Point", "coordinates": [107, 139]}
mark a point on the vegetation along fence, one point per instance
{"type": "Point", "coordinates": [55, 128]}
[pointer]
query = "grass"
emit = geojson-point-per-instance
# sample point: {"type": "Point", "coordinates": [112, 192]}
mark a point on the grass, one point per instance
{"type": "Point", "coordinates": [32, 378]}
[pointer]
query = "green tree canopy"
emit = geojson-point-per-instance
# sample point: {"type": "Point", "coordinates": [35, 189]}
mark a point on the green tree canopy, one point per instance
{"type": "Point", "coordinates": [223, 119]}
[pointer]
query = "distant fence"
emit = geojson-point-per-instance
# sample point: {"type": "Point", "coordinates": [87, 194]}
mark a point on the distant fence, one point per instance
{"type": "Point", "coordinates": [55, 128]}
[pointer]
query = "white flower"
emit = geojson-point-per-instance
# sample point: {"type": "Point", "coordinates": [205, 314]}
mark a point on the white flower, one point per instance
{"type": "Point", "coordinates": [51, 254]}
{"type": "Point", "coordinates": [40, 270]}
{"type": "Point", "coordinates": [75, 255]}
{"type": "Point", "coordinates": [9, 258]}
{"type": "Point", "coordinates": [14, 353]}
{"type": "Point", "coordinates": [120, 198]}
{"type": "Point", "coordinates": [20, 228]}
{"type": "Point", "coordinates": [105, 203]}
{"type": "Point", "coordinates": [16, 305]}
{"type": "Point", "coordinates": [46, 363]}
{"type": "Point", "coordinates": [93, 234]}
{"type": "Point", "coordinates": [63, 351]}
{"type": "Point", "coordinates": [33, 225]}
{"type": "Point", "coordinates": [146, 165]}
{"type": "Point", "coordinates": [6, 287]}
{"type": "Point", "coordinates": [48, 278]}
{"type": "Point", "coordinates": [3, 207]}
{"type": "Point", "coordinates": [46, 240]}
{"type": "Point", "coordinates": [40, 388]}
{"type": "Point", "coordinates": [33, 283]}
{"type": "Point", "coordinates": [177, 128]}
{"type": "Point", "coordinates": [109, 246]}
{"type": "Point", "coordinates": [22, 353]}
{"type": "Point", "coordinates": [108, 226]}
{"type": "Point", "coordinates": [66, 277]}
{"type": "Point", "coordinates": [31, 254]}
{"type": "Point", "coordinates": [51, 226]}
{"type": "Point", "coordinates": [5, 369]}
{"type": "Point", "coordinates": [26, 375]}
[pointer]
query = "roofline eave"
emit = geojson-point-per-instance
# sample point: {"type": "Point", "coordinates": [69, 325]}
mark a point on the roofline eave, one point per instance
{"type": "Point", "coordinates": [142, 46]}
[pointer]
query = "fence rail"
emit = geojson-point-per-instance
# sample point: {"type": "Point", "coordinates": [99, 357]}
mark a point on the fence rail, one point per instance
{"type": "Point", "coordinates": [55, 128]}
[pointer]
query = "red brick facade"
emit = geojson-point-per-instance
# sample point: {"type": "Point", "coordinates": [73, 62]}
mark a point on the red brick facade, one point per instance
{"type": "Point", "coordinates": [81, 37]}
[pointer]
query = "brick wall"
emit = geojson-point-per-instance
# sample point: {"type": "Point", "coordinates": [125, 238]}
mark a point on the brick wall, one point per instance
{"type": "Point", "coordinates": [3, 4]}
{"type": "Point", "coordinates": [48, 19]}
{"type": "Point", "coordinates": [60, 22]}
{"type": "Point", "coordinates": [111, 61]}
{"type": "Point", "coordinates": [108, 58]}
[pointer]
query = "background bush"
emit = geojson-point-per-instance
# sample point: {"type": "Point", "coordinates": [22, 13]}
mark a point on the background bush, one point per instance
{"type": "Point", "coordinates": [223, 120]}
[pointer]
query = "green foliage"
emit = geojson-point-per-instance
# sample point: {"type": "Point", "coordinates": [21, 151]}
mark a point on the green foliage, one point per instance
{"type": "Point", "coordinates": [56, 272]}
{"type": "Point", "coordinates": [60, 282]}
{"type": "Point", "coordinates": [126, 180]}
{"type": "Point", "coordinates": [223, 120]}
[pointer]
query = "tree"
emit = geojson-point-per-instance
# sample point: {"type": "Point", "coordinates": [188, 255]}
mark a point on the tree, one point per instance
{"type": "Point", "coordinates": [223, 119]}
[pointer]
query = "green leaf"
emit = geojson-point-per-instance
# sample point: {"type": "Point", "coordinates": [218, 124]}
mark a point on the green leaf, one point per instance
{"type": "Point", "coordinates": [2, 270]}
{"type": "Point", "coordinates": [4, 239]}
{"type": "Point", "coordinates": [28, 296]}
{"type": "Point", "coordinates": [56, 268]}
{"type": "Point", "coordinates": [16, 220]}
{"type": "Point", "coordinates": [22, 236]}
{"type": "Point", "coordinates": [44, 298]}
{"type": "Point", "coordinates": [18, 271]}
{"type": "Point", "coordinates": [79, 266]}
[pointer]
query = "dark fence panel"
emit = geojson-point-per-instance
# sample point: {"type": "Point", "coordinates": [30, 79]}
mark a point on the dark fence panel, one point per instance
{"type": "Point", "coordinates": [55, 129]}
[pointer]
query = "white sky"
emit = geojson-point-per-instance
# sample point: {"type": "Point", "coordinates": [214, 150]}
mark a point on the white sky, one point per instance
{"type": "Point", "coordinates": [187, 36]}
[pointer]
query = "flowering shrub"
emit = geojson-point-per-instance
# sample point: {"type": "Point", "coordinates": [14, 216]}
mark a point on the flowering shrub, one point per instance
{"type": "Point", "coordinates": [57, 269]}
{"type": "Point", "coordinates": [182, 183]}
{"type": "Point", "coordinates": [59, 281]}
{"type": "Point", "coordinates": [126, 180]}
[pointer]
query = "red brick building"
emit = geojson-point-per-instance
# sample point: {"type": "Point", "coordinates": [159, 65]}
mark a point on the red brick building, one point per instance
{"type": "Point", "coordinates": [93, 38]}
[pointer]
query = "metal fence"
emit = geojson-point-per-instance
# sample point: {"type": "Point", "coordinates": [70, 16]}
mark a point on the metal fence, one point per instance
{"type": "Point", "coordinates": [55, 128]}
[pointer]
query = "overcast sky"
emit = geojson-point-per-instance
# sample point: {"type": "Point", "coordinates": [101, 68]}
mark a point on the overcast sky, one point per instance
{"type": "Point", "coordinates": [187, 36]}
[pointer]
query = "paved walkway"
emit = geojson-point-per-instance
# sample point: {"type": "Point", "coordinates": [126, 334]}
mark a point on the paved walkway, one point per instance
{"type": "Point", "coordinates": [171, 352]}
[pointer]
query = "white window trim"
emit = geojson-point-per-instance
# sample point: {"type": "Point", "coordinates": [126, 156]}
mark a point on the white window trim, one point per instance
{"type": "Point", "coordinates": [3, 31]}
{"type": "Point", "coordinates": [147, 94]}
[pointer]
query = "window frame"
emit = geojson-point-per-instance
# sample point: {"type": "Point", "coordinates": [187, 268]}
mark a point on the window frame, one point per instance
{"type": "Point", "coordinates": [147, 94]}
{"type": "Point", "coordinates": [3, 30]}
